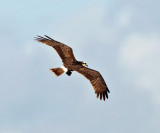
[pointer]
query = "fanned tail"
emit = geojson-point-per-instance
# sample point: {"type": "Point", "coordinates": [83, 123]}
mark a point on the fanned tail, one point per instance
{"type": "Point", "coordinates": [57, 71]}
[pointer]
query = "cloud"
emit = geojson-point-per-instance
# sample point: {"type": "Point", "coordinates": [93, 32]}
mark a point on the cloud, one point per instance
{"type": "Point", "coordinates": [87, 25]}
{"type": "Point", "coordinates": [124, 17]}
{"type": "Point", "coordinates": [139, 55]}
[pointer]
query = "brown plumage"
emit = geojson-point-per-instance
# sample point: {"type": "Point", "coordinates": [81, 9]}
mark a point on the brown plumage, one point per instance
{"type": "Point", "coordinates": [57, 71]}
{"type": "Point", "coordinates": [96, 80]}
{"type": "Point", "coordinates": [71, 64]}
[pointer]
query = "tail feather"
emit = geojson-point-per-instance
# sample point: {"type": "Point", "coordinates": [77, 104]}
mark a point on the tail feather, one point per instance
{"type": "Point", "coordinates": [57, 71]}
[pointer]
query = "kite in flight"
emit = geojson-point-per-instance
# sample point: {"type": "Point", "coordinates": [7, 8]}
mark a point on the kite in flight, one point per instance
{"type": "Point", "coordinates": [71, 64]}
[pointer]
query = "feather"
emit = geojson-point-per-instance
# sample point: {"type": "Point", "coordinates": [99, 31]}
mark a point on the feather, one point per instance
{"type": "Point", "coordinates": [96, 80]}
{"type": "Point", "coordinates": [65, 52]}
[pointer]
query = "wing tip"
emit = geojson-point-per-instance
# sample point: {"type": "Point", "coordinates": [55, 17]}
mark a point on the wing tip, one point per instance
{"type": "Point", "coordinates": [38, 38]}
{"type": "Point", "coordinates": [48, 37]}
{"type": "Point", "coordinates": [103, 95]}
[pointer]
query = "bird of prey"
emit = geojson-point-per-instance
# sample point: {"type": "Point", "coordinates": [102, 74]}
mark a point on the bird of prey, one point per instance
{"type": "Point", "coordinates": [71, 64]}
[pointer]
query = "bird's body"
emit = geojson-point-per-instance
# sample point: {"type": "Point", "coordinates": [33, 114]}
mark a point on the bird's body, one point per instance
{"type": "Point", "coordinates": [71, 64]}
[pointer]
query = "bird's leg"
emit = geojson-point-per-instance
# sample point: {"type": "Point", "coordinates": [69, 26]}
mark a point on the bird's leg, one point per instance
{"type": "Point", "coordinates": [69, 72]}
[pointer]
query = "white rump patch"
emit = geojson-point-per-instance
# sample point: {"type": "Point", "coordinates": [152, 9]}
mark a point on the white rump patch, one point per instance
{"type": "Point", "coordinates": [65, 69]}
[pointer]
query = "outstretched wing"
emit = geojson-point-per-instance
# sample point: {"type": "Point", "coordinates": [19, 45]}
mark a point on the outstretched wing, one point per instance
{"type": "Point", "coordinates": [64, 51]}
{"type": "Point", "coordinates": [96, 80]}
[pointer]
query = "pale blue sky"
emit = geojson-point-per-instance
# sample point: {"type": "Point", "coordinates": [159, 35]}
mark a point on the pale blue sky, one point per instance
{"type": "Point", "coordinates": [121, 39]}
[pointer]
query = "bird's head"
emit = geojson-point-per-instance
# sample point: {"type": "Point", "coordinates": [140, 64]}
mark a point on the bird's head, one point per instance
{"type": "Point", "coordinates": [84, 64]}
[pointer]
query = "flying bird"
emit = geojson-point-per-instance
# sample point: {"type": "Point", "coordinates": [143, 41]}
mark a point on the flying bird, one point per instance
{"type": "Point", "coordinates": [71, 64]}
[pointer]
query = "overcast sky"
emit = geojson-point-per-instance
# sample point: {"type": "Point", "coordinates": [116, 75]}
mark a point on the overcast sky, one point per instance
{"type": "Point", "coordinates": [120, 39]}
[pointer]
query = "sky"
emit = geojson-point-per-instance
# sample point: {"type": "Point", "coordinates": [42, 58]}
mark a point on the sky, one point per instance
{"type": "Point", "coordinates": [120, 39]}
